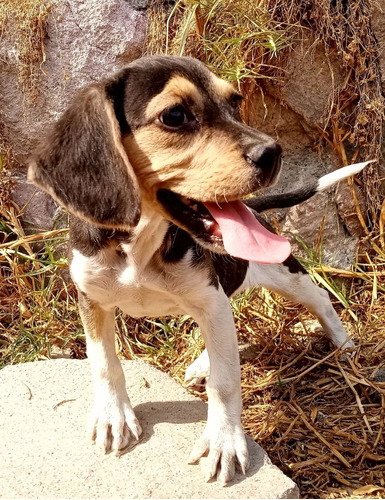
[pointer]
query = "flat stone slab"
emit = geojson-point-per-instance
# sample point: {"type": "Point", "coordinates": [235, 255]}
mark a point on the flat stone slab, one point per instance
{"type": "Point", "coordinates": [46, 453]}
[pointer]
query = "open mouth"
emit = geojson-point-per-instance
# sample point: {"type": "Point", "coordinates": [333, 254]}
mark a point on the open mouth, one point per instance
{"type": "Point", "coordinates": [193, 215]}
{"type": "Point", "coordinates": [229, 226]}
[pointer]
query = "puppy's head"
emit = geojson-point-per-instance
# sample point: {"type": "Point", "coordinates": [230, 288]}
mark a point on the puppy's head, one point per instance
{"type": "Point", "coordinates": [164, 130]}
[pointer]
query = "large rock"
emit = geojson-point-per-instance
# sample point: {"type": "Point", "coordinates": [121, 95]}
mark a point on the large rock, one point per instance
{"type": "Point", "coordinates": [291, 113]}
{"type": "Point", "coordinates": [85, 41]}
{"type": "Point", "coordinates": [39, 210]}
{"type": "Point", "coordinates": [313, 76]}
{"type": "Point", "coordinates": [46, 454]}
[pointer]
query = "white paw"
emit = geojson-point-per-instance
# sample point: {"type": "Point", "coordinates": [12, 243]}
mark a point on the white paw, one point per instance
{"type": "Point", "coordinates": [113, 424]}
{"type": "Point", "coordinates": [225, 445]}
{"type": "Point", "coordinates": [198, 371]}
{"type": "Point", "coordinates": [349, 344]}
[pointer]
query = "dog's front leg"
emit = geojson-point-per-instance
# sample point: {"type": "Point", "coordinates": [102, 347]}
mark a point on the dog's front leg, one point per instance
{"type": "Point", "coordinates": [112, 421]}
{"type": "Point", "coordinates": [223, 438]}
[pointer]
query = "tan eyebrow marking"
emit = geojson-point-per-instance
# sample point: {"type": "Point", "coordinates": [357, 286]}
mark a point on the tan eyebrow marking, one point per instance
{"type": "Point", "coordinates": [177, 90]}
{"type": "Point", "coordinates": [223, 88]}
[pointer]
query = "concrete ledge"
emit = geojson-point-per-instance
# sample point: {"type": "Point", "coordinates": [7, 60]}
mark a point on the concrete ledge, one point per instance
{"type": "Point", "coordinates": [45, 451]}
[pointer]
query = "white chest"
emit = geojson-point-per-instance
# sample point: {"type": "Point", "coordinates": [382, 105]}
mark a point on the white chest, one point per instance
{"type": "Point", "coordinates": [114, 281]}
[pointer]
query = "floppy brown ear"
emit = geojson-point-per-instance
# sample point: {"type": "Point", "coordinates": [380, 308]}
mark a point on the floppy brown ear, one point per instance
{"type": "Point", "coordinates": [82, 164]}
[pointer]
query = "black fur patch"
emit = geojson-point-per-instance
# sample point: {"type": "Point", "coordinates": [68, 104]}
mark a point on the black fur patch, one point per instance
{"type": "Point", "coordinates": [116, 93]}
{"type": "Point", "coordinates": [230, 271]}
{"type": "Point", "coordinates": [80, 164]}
{"type": "Point", "coordinates": [176, 244]}
{"type": "Point", "coordinates": [294, 266]}
{"type": "Point", "coordinates": [89, 239]}
{"type": "Point", "coordinates": [224, 269]}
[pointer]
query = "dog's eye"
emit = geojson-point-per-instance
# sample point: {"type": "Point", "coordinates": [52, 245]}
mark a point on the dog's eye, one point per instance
{"type": "Point", "coordinates": [174, 117]}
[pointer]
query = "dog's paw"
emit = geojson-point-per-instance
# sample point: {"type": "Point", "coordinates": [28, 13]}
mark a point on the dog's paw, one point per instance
{"type": "Point", "coordinates": [224, 445]}
{"type": "Point", "coordinates": [349, 344]}
{"type": "Point", "coordinates": [198, 371]}
{"type": "Point", "coordinates": [113, 424]}
{"type": "Point", "coordinates": [348, 350]}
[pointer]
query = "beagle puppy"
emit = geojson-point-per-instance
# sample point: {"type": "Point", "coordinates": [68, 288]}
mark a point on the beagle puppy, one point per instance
{"type": "Point", "coordinates": [153, 164]}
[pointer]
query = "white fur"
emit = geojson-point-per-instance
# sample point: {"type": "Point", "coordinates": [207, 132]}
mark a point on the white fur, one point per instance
{"type": "Point", "coordinates": [137, 286]}
{"type": "Point", "coordinates": [294, 286]}
{"type": "Point", "coordinates": [141, 284]}
{"type": "Point", "coordinates": [299, 287]}
{"type": "Point", "coordinates": [112, 422]}
{"type": "Point", "coordinates": [329, 180]}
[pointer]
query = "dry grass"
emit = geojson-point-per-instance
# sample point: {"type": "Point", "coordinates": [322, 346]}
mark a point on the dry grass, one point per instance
{"type": "Point", "coordinates": [237, 39]}
{"type": "Point", "coordinates": [25, 22]}
{"type": "Point", "coordinates": [38, 310]}
{"type": "Point", "coordinates": [247, 42]}
{"type": "Point", "coordinates": [320, 417]}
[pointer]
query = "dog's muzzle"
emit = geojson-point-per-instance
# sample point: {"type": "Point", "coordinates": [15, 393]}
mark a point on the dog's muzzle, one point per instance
{"type": "Point", "coordinates": [267, 162]}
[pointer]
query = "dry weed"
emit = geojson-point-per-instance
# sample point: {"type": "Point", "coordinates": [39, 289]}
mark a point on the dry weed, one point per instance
{"type": "Point", "coordinates": [320, 417]}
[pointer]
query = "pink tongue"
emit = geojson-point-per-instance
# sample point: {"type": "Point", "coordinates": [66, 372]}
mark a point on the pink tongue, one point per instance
{"type": "Point", "coordinates": [245, 237]}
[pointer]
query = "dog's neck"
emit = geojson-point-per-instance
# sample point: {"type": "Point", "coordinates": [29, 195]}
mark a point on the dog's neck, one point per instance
{"type": "Point", "coordinates": [146, 238]}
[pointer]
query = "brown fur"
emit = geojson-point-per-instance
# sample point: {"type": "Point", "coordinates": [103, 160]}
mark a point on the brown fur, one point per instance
{"type": "Point", "coordinates": [93, 317]}
{"type": "Point", "coordinates": [176, 91]}
{"type": "Point", "coordinates": [91, 165]}
{"type": "Point", "coordinates": [126, 154]}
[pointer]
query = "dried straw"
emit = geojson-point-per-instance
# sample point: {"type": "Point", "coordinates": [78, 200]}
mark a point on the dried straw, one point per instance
{"type": "Point", "coordinates": [319, 416]}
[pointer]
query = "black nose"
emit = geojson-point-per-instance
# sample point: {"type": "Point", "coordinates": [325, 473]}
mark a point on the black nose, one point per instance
{"type": "Point", "coordinates": [267, 162]}
{"type": "Point", "coordinates": [265, 157]}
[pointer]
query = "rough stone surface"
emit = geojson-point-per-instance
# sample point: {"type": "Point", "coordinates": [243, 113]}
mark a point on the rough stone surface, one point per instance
{"type": "Point", "coordinates": [317, 218]}
{"type": "Point", "coordinates": [45, 452]}
{"type": "Point", "coordinates": [317, 223]}
{"type": "Point", "coordinates": [347, 209]}
{"type": "Point", "coordinates": [40, 212]}
{"type": "Point", "coordinates": [312, 77]}
{"type": "Point", "coordinates": [86, 41]}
